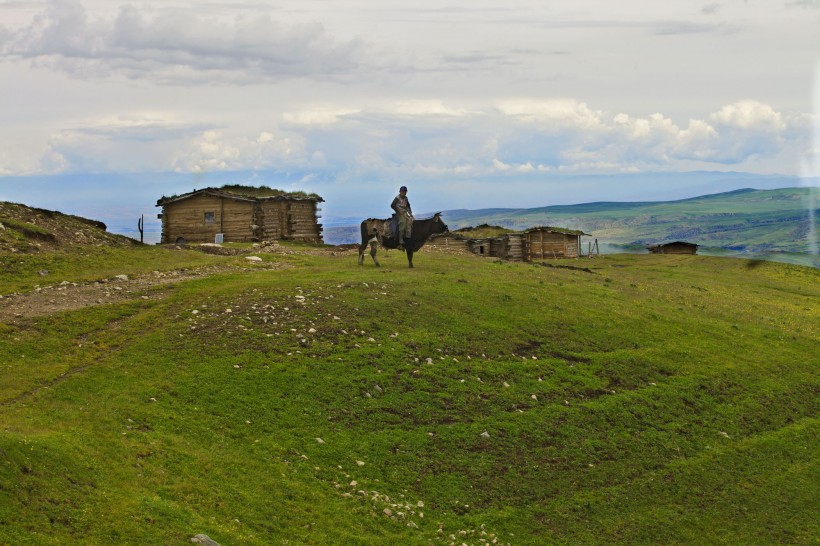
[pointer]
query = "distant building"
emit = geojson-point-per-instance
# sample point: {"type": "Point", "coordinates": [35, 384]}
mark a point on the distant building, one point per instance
{"type": "Point", "coordinates": [536, 243]}
{"type": "Point", "coordinates": [552, 242]}
{"type": "Point", "coordinates": [677, 247]}
{"type": "Point", "coordinates": [240, 214]}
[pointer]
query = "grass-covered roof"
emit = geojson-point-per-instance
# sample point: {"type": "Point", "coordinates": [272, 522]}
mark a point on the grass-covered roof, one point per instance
{"type": "Point", "coordinates": [484, 231]}
{"type": "Point", "coordinates": [253, 192]}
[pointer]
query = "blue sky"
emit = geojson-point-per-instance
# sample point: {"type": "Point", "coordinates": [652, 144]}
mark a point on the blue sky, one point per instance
{"type": "Point", "coordinates": [108, 105]}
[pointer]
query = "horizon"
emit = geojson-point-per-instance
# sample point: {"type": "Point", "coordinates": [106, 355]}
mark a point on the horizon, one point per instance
{"type": "Point", "coordinates": [470, 105]}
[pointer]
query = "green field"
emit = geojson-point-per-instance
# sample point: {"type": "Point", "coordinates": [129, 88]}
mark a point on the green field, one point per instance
{"type": "Point", "coordinates": [626, 399]}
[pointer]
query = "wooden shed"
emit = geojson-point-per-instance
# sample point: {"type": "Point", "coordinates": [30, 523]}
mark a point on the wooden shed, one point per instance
{"type": "Point", "coordinates": [240, 214]}
{"type": "Point", "coordinates": [484, 240]}
{"type": "Point", "coordinates": [516, 246]}
{"type": "Point", "coordinates": [449, 242]}
{"type": "Point", "coordinates": [551, 242]}
{"type": "Point", "coordinates": [676, 247]}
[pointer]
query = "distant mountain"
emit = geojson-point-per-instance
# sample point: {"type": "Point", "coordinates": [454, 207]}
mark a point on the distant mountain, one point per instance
{"type": "Point", "coordinates": [744, 220]}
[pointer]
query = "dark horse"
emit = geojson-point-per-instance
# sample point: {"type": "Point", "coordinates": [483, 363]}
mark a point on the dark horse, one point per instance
{"type": "Point", "coordinates": [378, 232]}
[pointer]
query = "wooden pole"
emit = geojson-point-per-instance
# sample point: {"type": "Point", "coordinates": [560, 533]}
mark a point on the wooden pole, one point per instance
{"type": "Point", "coordinates": [140, 227]}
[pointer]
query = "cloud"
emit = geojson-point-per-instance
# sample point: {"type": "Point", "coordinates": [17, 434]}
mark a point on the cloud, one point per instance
{"type": "Point", "coordinates": [174, 46]}
{"type": "Point", "coordinates": [557, 113]}
{"type": "Point", "coordinates": [750, 115]}
{"type": "Point", "coordinates": [809, 4]}
{"type": "Point", "coordinates": [710, 9]}
{"type": "Point", "coordinates": [432, 138]}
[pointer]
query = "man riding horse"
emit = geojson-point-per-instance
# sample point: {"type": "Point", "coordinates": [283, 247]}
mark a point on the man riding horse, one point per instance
{"type": "Point", "coordinates": [403, 217]}
{"type": "Point", "coordinates": [402, 231]}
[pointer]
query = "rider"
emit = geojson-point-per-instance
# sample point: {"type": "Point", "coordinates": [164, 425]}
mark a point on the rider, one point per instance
{"type": "Point", "coordinates": [404, 216]}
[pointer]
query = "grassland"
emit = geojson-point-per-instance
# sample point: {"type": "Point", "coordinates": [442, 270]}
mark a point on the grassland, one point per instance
{"type": "Point", "coordinates": [632, 399]}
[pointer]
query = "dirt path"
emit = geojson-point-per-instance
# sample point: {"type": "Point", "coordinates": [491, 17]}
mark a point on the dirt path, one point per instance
{"type": "Point", "coordinates": [67, 296]}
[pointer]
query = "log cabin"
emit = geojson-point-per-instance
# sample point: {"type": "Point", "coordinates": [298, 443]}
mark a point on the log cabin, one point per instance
{"type": "Point", "coordinates": [240, 214]}
{"type": "Point", "coordinates": [536, 243]}
{"type": "Point", "coordinates": [552, 242]}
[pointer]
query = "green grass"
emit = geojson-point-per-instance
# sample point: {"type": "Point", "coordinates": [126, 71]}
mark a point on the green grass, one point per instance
{"type": "Point", "coordinates": [655, 399]}
{"type": "Point", "coordinates": [20, 272]}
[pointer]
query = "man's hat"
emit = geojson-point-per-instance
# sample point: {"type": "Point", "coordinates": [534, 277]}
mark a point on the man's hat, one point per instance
{"type": "Point", "coordinates": [403, 188]}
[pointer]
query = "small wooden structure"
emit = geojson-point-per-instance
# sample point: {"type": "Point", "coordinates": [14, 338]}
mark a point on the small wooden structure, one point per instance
{"type": "Point", "coordinates": [516, 246]}
{"type": "Point", "coordinates": [450, 242]}
{"type": "Point", "coordinates": [676, 247]}
{"type": "Point", "coordinates": [240, 214]}
{"type": "Point", "coordinates": [552, 242]}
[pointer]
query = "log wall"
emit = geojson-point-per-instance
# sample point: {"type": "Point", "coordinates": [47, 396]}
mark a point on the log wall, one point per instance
{"type": "Point", "coordinates": [302, 222]}
{"type": "Point", "coordinates": [447, 243]}
{"type": "Point", "coordinates": [185, 220]}
{"type": "Point", "coordinates": [239, 220]}
{"type": "Point", "coordinates": [546, 244]}
{"type": "Point", "coordinates": [515, 247]}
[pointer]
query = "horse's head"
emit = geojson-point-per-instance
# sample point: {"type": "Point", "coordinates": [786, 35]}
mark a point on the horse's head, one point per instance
{"type": "Point", "coordinates": [438, 224]}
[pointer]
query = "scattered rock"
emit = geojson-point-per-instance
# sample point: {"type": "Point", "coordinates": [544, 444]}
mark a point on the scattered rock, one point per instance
{"type": "Point", "coordinates": [253, 258]}
{"type": "Point", "coordinates": [121, 277]}
{"type": "Point", "coordinates": [485, 434]}
{"type": "Point", "coordinates": [204, 540]}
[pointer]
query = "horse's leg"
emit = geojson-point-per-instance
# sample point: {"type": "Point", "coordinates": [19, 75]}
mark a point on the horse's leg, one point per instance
{"type": "Point", "coordinates": [373, 253]}
{"type": "Point", "coordinates": [410, 256]}
{"type": "Point", "coordinates": [361, 253]}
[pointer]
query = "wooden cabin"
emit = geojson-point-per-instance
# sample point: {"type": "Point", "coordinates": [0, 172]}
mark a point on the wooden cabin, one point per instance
{"type": "Point", "coordinates": [551, 242]}
{"type": "Point", "coordinates": [484, 240]}
{"type": "Point", "coordinates": [676, 247]}
{"type": "Point", "coordinates": [515, 246]}
{"type": "Point", "coordinates": [240, 214]}
{"type": "Point", "coordinates": [449, 242]}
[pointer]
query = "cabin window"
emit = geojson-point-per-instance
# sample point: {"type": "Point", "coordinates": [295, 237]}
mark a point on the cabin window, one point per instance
{"type": "Point", "coordinates": [209, 217]}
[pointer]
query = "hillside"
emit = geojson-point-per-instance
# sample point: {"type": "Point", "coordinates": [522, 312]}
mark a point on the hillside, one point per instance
{"type": "Point", "coordinates": [27, 229]}
{"type": "Point", "coordinates": [742, 220]}
{"type": "Point", "coordinates": [303, 399]}
{"type": "Point", "coordinates": [752, 221]}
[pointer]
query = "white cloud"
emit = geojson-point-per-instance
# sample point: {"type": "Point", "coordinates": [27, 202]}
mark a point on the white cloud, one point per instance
{"type": "Point", "coordinates": [176, 46]}
{"type": "Point", "coordinates": [410, 139]}
{"type": "Point", "coordinates": [750, 115]}
{"type": "Point", "coordinates": [318, 117]}
{"type": "Point", "coordinates": [554, 112]}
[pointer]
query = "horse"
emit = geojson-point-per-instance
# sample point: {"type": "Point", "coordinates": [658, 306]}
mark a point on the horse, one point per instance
{"type": "Point", "coordinates": [376, 231]}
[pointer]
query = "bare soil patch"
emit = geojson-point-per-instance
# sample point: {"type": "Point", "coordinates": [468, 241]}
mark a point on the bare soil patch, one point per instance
{"type": "Point", "coordinates": [68, 296]}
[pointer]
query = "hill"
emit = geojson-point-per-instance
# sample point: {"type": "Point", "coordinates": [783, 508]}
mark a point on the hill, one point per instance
{"type": "Point", "coordinates": [27, 229]}
{"type": "Point", "coordinates": [303, 399]}
{"type": "Point", "coordinates": [746, 220]}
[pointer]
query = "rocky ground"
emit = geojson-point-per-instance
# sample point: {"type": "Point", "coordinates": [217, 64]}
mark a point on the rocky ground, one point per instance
{"type": "Point", "coordinates": [67, 296]}
{"type": "Point", "coordinates": [26, 230]}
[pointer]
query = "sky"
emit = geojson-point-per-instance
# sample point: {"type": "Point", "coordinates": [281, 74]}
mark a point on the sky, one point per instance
{"type": "Point", "coordinates": [106, 106]}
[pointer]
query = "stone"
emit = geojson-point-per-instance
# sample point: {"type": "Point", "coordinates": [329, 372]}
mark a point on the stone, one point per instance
{"type": "Point", "coordinates": [204, 540]}
{"type": "Point", "coordinates": [253, 258]}
{"type": "Point", "coordinates": [121, 277]}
